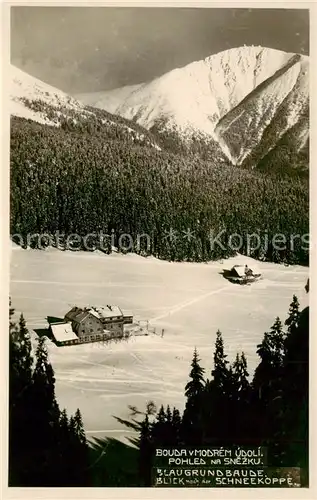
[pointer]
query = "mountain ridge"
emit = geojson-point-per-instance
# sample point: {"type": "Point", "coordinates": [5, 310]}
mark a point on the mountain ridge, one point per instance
{"type": "Point", "coordinates": [244, 106]}
{"type": "Point", "coordinates": [198, 99]}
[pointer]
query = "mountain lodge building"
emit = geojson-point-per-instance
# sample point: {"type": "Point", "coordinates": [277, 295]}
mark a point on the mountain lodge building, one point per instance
{"type": "Point", "coordinates": [90, 324]}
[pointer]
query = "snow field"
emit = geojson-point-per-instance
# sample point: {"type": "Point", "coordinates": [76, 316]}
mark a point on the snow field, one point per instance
{"type": "Point", "coordinates": [190, 301]}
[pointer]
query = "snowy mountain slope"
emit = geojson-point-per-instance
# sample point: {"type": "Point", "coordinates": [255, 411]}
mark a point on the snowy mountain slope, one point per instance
{"type": "Point", "coordinates": [230, 97]}
{"type": "Point", "coordinates": [110, 100]}
{"type": "Point", "coordinates": [292, 149]}
{"type": "Point", "coordinates": [199, 94]}
{"type": "Point", "coordinates": [277, 103]}
{"type": "Point", "coordinates": [25, 88]}
{"type": "Point", "coordinates": [30, 98]}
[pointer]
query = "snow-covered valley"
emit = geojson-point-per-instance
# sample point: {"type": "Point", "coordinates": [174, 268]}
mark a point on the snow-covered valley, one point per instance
{"type": "Point", "coordinates": [190, 301]}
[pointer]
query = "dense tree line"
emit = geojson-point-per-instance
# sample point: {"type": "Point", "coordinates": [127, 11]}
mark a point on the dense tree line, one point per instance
{"type": "Point", "coordinates": [75, 181]}
{"type": "Point", "coordinates": [46, 447]}
{"type": "Point", "coordinates": [86, 119]}
{"type": "Point", "coordinates": [229, 410]}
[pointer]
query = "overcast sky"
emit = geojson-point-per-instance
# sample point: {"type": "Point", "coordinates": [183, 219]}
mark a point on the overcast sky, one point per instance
{"type": "Point", "coordinates": [79, 49]}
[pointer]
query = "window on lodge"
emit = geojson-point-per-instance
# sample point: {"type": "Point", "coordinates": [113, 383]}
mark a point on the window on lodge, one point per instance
{"type": "Point", "coordinates": [88, 338]}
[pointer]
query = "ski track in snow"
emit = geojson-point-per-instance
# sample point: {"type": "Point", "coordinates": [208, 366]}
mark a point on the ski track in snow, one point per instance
{"type": "Point", "coordinates": [188, 303]}
{"type": "Point", "coordinates": [99, 284]}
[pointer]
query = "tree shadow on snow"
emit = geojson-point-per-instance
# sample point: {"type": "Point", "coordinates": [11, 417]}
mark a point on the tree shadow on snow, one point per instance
{"type": "Point", "coordinates": [43, 332]}
{"type": "Point", "coordinates": [53, 319]}
{"type": "Point", "coordinates": [113, 463]}
{"type": "Point", "coordinates": [46, 332]}
{"type": "Point", "coordinates": [226, 273]}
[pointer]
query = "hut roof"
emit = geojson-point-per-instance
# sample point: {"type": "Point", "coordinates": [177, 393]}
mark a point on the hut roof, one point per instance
{"type": "Point", "coordinates": [238, 270]}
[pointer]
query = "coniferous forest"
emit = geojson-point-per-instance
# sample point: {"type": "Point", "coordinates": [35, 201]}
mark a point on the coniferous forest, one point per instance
{"type": "Point", "coordinates": [86, 178]}
{"type": "Point", "coordinates": [47, 447]}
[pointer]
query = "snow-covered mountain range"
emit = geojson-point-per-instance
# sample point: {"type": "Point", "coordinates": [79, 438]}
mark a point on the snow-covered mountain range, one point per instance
{"type": "Point", "coordinates": [32, 99]}
{"type": "Point", "coordinates": [246, 104]}
{"type": "Point", "coordinates": [246, 100]}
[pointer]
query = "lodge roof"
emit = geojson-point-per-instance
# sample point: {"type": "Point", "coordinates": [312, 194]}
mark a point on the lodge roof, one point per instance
{"type": "Point", "coordinates": [106, 312]}
{"type": "Point", "coordinates": [78, 314]}
{"type": "Point", "coordinates": [74, 313]}
{"type": "Point", "coordinates": [63, 332]}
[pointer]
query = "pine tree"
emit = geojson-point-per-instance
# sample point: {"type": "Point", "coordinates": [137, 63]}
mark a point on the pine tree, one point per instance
{"type": "Point", "coordinates": [72, 426]}
{"type": "Point", "coordinates": [241, 394]}
{"type": "Point", "coordinates": [192, 427]}
{"type": "Point", "coordinates": [293, 315]}
{"type": "Point", "coordinates": [176, 426]}
{"type": "Point", "coordinates": [20, 358]}
{"type": "Point", "coordinates": [71, 475]}
{"type": "Point", "coordinates": [218, 412]}
{"type": "Point", "coordinates": [65, 462]}
{"type": "Point", "coordinates": [80, 451]}
{"type": "Point", "coordinates": [168, 414]}
{"type": "Point", "coordinates": [26, 349]}
{"type": "Point", "coordinates": [196, 385]}
{"type": "Point", "coordinates": [240, 377]}
{"type": "Point", "coordinates": [158, 430]}
{"type": "Point", "coordinates": [220, 373]}
{"type": "Point", "coordinates": [44, 380]}
{"type": "Point", "coordinates": [161, 417]}
{"type": "Point", "coordinates": [146, 453]}
{"type": "Point", "coordinates": [168, 434]}
{"type": "Point", "coordinates": [79, 427]}
{"type": "Point", "coordinates": [45, 423]}
{"type": "Point", "coordinates": [296, 396]}
{"type": "Point", "coordinates": [64, 421]}
{"type": "Point", "coordinates": [289, 408]}
{"type": "Point", "coordinates": [271, 351]}
{"type": "Point", "coordinates": [267, 384]}
{"type": "Point", "coordinates": [20, 410]}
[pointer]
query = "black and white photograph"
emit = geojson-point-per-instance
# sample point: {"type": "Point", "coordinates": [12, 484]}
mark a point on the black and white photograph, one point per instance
{"type": "Point", "coordinates": [160, 247]}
